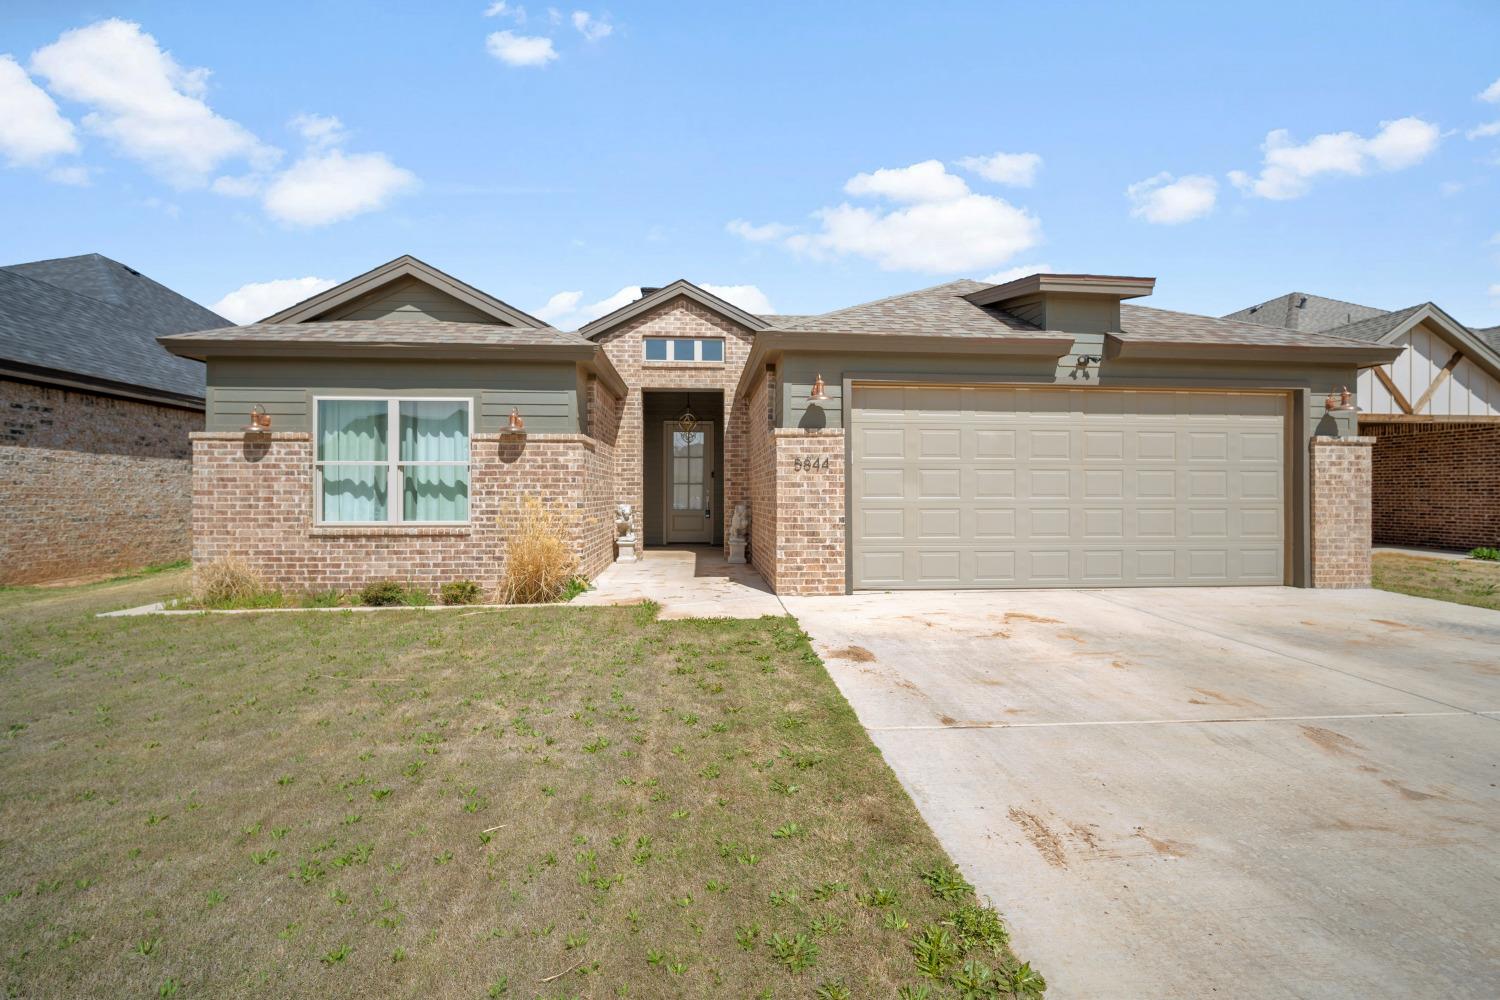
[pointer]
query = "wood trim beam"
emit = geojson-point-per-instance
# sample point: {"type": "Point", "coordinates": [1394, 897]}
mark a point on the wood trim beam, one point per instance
{"type": "Point", "coordinates": [1438, 380]}
{"type": "Point", "coordinates": [1396, 393]}
{"type": "Point", "coordinates": [1421, 418]}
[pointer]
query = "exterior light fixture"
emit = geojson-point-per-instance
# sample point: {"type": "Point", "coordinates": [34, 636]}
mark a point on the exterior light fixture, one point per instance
{"type": "Point", "coordinates": [819, 391]}
{"type": "Point", "coordinates": [687, 421]}
{"type": "Point", "coordinates": [515, 425]}
{"type": "Point", "coordinates": [1341, 400]}
{"type": "Point", "coordinates": [260, 421]}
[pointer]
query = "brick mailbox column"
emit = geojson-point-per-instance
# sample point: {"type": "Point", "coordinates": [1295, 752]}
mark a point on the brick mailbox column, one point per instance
{"type": "Point", "coordinates": [809, 486]}
{"type": "Point", "coordinates": [1339, 485]}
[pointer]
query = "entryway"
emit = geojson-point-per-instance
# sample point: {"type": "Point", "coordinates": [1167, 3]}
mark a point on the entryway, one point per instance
{"type": "Point", "coordinates": [688, 581]}
{"type": "Point", "coordinates": [683, 467]}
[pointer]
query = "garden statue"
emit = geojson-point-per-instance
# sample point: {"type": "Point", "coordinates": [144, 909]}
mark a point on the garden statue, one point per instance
{"type": "Point", "coordinates": [625, 532]}
{"type": "Point", "coordinates": [739, 533]}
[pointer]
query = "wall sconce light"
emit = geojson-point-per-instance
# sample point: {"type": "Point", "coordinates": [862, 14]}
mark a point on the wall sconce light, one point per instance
{"type": "Point", "coordinates": [1342, 400]}
{"type": "Point", "coordinates": [515, 425]}
{"type": "Point", "coordinates": [260, 421]}
{"type": "Point", "coordinates": [687, 421]}
{"type": "Point", "coordinates": [819, 391]}
{"type": "Point", "coordinates": [1084, 360]}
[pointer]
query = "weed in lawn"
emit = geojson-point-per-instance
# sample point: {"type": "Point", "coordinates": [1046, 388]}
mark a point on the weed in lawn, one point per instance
{"type": "Point", "coordinates": [946, 882]}
{"type": "Point", "coordinates": [797, 952]}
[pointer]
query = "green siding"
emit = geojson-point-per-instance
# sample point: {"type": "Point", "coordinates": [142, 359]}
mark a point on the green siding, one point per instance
{"type": "Point", "coordinates": [545, 393]}
{"type": "Point", "coordinates": [406, 299]}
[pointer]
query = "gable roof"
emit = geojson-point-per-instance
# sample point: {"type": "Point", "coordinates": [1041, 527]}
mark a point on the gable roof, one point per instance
{"type": "Point", "coordinates": [1388, 328]}
{"type": "Point", "coordinates": [680, 288]}
{"type": "Point", "coordinates": [405, 266]}
{"type": "Point", "coordinates": [938, 311]}
{"type": "Point", "coordinates": [1301, 311]}
{"type": "Point", "coordinates": [93, 321]}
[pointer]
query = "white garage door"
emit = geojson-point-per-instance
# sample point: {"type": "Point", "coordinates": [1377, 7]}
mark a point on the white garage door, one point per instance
{"type": "Point", "coordinates": [989, 487]}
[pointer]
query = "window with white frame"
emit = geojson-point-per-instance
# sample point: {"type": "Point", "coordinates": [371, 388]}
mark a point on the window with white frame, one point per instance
{"type": "Point", "coordinates": [382, 461]}
{"type": "Point", "coordinates": [684, 349]}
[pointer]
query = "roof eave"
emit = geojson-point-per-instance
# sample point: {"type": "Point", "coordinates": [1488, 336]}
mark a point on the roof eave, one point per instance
{"type": "Point", "coordinates": [1116, 286]}
{"type": "Point", "coordinates": [1359, 356]}
{"type": "Point", "coordinates": [185, 346]}
{"type": "Point", "coordinates": [101, 386]}
{"type": "Point", "coordinates": [1474, 346]}
{"type": "Point", "coordinates": [660, 297]}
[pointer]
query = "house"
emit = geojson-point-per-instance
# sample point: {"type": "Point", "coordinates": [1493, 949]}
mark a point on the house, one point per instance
{"type": "Point", "coordinates": [95, 461]}
{"type": "Point", "coordinates": [1036, 433]}
{"type": "Point", "coordinates": [1434, 413]}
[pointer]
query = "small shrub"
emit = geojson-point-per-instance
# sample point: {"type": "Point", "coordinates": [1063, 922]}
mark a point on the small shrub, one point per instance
{"type": "Point", "coordinates": [229, 583]}
{"type": "Point", "coordinates": [538, 559]}
{"type": "Point", "coordinates": [1488, 553]}
{"type": "Point", "coordinates": [574, 587]}
{"type": "Point", "coordinates": [382, 594]}
{"type": "Point", "coordinates": [322, 599]}
{"type": "Point", "coordinates": [460, 592]}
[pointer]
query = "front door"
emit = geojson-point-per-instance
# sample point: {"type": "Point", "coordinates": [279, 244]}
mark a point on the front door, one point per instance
{"type": "Point", "coordinates": [689, 483]}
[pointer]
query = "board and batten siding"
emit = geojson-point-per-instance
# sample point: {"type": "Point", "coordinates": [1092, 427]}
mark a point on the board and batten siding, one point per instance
{"type": "Point", "coordinates": [407, 299]}
{"type": "Point", "coordinates": [800, 369]}
{"type": "Point", "coordinates": [545, 393]}
{"type": "Point", "coordinates": [1468, 391]}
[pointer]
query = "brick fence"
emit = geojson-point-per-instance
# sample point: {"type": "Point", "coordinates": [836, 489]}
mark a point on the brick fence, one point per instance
{"type": "Point", "coordinates": [253, 501]}
{"type": "Point", "coordinates": [1436, 484]}
{"type": "Point", "coordinates": [90, 484]}
{"type": "Point", "coordinates": [1339, 481]}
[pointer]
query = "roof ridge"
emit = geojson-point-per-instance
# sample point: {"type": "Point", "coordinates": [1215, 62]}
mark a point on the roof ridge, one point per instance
{"type": "Point", "coordinates": [898, 295]}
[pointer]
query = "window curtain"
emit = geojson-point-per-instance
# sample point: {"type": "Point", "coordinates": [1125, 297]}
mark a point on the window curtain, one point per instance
{"type": "Point", "coordinates": [435, 432]}
{"type": "Point", "coordinates": [352, 449]}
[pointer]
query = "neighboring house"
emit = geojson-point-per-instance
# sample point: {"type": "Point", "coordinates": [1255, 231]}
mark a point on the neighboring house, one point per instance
{"type": "Point", "coordinates": [1434, 412]}
{"type": "Point", "coordinates": [94, 419]}
{"type": "Point", "coordinates": [1036, 433]}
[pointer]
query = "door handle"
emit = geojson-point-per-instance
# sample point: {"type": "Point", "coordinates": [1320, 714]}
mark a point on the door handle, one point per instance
{"type": "Point", "coordinates": [707, 512]}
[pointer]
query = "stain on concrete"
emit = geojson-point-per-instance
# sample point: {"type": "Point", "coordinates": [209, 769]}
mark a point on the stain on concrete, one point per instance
{"type": "Point", "coordinates": [1072, 638]}
{"type": "Point", "coordinates": [1166, 848]}
{"type": "Point", "coordinates": [1410, 794]}
{"type": "Point", "coordinates": [999, 634]}
{"type": "Point", "coordinates": [1224, 699]}
{"type": "Point", "coordinates": [1088, 837]}
{"type": "Point", "coordinates": [1119, 664]}
{"type": "Point", "coordinates": [1047, 843]}
{"type": "Point", "coordinates": [857, 654]}
{"type": "Point", "coordinates": [947, 720]}
{"type": "Point", "coordinates": [1330, 741]}
{"type": "Point", "coordinates": [1390, 624]}
{"type": "Point", "coordinates": [1022, 616]}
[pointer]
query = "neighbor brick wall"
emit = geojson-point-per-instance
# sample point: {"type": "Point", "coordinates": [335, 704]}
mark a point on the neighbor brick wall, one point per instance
{"type": "Point", "coordinates": [90, 484]}
{"type": "Point", "coordinates": [253, 501]}
{"type": "Point", "coordinates": [678, 318]}
{"type": "Point", "coordinates": [1339, 481]}
{"type": "Point", "coordinates": [809, 523]}
{"type": "Point", "coordinates": [1436, 484]}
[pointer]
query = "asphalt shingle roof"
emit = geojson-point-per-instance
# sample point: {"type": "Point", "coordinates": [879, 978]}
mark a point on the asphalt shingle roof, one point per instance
{"type": "Point", "coordinates": [1376, 327]}
{"type": "Point", "coordinates": [939, 311]}
{"type": "Point", "coordinates": [388, 331]}
{"type": "Point", "coordinates": [1490, 335]}
{"type": "Point", "coordinates": [1301, 311]}
{"type": "Point", "coordinates": [93, 317]}
{"type": "Point", "coordinates": [1143, 324]}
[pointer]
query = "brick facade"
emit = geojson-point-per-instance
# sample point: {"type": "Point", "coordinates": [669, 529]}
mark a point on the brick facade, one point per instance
{"type": "Point", "coordinates": [253, 501]}
{"type": "Point", "coordinates": [678, 318]}
{"type": "Point", "coordinates": [809, 521]}
{"type": "Point", "coordinates": [90, 484]}
{"type": "Point", "coordinates": [760, 436]}
{"type": "Point", "coordinates": [1436, 484]}
{"type": "Point", "coordinates": [1340, 485]}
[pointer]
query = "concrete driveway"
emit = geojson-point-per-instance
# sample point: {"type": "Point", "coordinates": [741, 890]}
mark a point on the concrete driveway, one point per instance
{"type": "Point", "coordinates": [1185, 793]}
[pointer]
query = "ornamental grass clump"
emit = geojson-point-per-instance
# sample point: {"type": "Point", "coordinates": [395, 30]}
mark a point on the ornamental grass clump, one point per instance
{"type": "Point", "coordinates": [229, 583]}
{"type": "Point", "coordinates": [539, 560]}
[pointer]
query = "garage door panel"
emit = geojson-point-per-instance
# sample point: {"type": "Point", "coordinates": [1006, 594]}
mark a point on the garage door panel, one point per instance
{"type": "Point", "coordinates": [1044, 487]}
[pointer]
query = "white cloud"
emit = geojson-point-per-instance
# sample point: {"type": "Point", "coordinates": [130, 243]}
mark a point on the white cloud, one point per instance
{"type": "Point", "coordinates": [1168, 201]}
{"type": "Point", "coordinates": [1018, 169]}
{"type": "Point", "coordinates": [758, 234]}
{"type": "Point", "coordinates": [74, 175]}
{"type": "Point", "coordinates": [1020, 271]}
{"type": "Point", "coordinates": [144, 102]}
{"type": "Point", "coordinates": [559, 306]}
{"type": "Point", "coordinates": [319, 131]}
{"type": "Point", "coordinates": [32, 130]}
{"type": "Point", "coordinates": [520, 50]}
{"type": "Point", "coordinates": [501, 8]}
{"type": "Point", "coordinates": [1288, 168]}
{"type": "Point", "coordinates": [590, 27]}
{"type": "Point", "coordinates": [1495, 290]}
{"type": "Point", "coordinates": [1491, 93]}
{"type": "Point", "coordinates": [1483, 131]}
{"type": "Point", "coordinates": [939, 227]}
{"type": "Point", "coordinates": [747, 297]}
{"type": "Point", "coordinates": [330, 186]}
{"type": "Point", "coordinates": [564, 310]}
{"type": "Point", "coordinates": [920, 182]}
{"type": "Point", "coordinates": [260, 299]}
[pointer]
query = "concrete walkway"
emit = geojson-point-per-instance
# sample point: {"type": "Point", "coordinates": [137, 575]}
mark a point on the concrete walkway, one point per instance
{"type": "Point", "coordinates": [1189, 793]}
{"type": "Point", "coordinates": [688, 581]}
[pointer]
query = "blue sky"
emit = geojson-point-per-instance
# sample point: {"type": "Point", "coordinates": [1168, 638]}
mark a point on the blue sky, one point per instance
{"type": "Point", "coordinates": [822, 154]}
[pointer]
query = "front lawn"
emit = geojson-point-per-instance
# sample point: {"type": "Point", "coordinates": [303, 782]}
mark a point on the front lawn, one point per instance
{"type": "Point", "coordinates": [1467, 581]}
{"type": "Point", "coordinates": [549, 803]}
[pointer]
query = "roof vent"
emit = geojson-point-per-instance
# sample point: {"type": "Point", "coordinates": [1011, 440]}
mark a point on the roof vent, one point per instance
{"type": "Point", "coordinates": [1302, 302]}
{"type": "Point", "coordinates": [645, 291]}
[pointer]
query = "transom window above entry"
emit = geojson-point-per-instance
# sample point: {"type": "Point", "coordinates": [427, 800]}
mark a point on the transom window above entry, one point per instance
{"type": "Point", "coordinates": [695, 349]}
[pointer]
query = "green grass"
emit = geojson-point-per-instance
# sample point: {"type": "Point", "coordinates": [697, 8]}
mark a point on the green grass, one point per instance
{"type": "Point", "coordinates": [533, 803]}
{"type": "Point", "coordinates": [1458, 581]}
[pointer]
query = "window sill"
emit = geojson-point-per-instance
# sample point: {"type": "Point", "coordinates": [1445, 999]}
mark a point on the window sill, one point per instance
{"type": "Point", "coordinates": [682, 364]}
{"type": "Point", "coordinates": [389, 530]}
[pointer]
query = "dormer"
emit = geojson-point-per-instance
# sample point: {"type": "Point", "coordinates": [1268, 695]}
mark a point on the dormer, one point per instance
{"type": "Point", "coordinates": [1070, 303]}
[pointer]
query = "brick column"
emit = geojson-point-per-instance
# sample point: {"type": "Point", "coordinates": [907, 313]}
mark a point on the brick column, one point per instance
{"type": "Point", "coordinates": [809, 511]}
{"type": "Point", "coordinates": [1339, 487]}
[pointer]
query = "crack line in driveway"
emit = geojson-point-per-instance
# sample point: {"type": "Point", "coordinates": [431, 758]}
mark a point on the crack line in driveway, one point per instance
{"type": "Point", "coordinates": [1174, 722]}
{"type": "Point", "coordinates": [1486, 714]}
